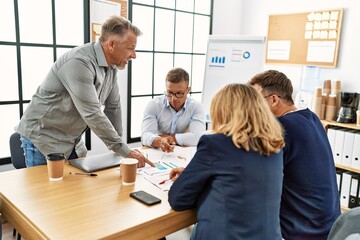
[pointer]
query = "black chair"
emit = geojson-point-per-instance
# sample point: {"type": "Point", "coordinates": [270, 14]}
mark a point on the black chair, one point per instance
{"type": "Point", "coordinates": [17, 159]}
{"type": "Point", "coordinates": [16, 151]}
{"type": "Point", "coordinates": [346, 226]}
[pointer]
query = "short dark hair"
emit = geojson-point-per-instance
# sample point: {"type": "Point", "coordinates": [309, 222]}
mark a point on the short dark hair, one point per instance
{"type": "Point", "coordinates": [177, 75]}
{"type": "Point", "coordinates": [116, 25]}
{"type": "Point", "coordinates": [273, 81]}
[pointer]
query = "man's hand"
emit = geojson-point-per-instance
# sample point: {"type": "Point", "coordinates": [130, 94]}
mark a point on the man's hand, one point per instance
{"type": "Point", "coordinates": [175, 173]}
{"type": "Point", "coordinates": [165, 143]}
{"type": "Point", "coordinates": [139, 156]}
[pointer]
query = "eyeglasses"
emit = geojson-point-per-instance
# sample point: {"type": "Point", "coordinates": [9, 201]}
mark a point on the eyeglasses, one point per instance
{"type": "Point", "coordinates": [169, 94]}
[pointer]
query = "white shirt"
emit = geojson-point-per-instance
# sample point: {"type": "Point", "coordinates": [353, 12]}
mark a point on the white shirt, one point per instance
{"type": "Point", "coordinates": [188, 124]}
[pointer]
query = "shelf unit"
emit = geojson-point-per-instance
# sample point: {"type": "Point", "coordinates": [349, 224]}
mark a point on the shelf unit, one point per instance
{"type": "Point", "coordinates": [327, 124]}
{"type": "Point", "coordinates": [353, 126]}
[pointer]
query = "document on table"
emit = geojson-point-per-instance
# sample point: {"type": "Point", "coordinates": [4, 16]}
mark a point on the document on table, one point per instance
{"type": "Point", "coordinates": [157, 179]}
{"type": "Point", "coordinates": [180, 153]}
{"type": "Point", "coordinates": [164, 162]}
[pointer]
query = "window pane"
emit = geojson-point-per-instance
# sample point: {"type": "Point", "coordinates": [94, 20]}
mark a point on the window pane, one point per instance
{"type": "Point", "coordinates": [34, 72]}
{"type": "Point", "coordinates": [148, 2]}
{"type": "Point", "coordinates": [198, 73]}
{"type": "Point", "coordinates": [142, 74]}
{"type": "Point", "coordinates": [203, 6]}
{"type": "Point", "coordinates": [184, 32]}
{"type": "Point", "coordinates": [143, 19]}
{"type": "Point", "coordinates": [8, 68]}
{"type": "Point", "coordinates": [61, 51]}
{"type": "Point", "coordinates": [186, 5]}
{"type": "Point", "coordinates": [138, 105]}
{"type": "Point", "coordinates": [162, 65]}
{"type": "Point", "coordinates": [166, 3]}
{"type": "Point", "coordinates": [35, 25]}
{"type": "Point", "coordinates": [201, 33]}
{"type": "Point", "coordinates": [25, 105]}
{"type": "Point", "coordinates": [196, 96]}
{"type": "Point", "coordinates": [7, 21]}
{"type": "Point", "coordinates": [183, 61]}
{"type": "Point", "coordinates": [164, 30]}
{"type": "Point", "coordinates": [7, 126]}
{"type": "Point", "coordinates": [69, 22]}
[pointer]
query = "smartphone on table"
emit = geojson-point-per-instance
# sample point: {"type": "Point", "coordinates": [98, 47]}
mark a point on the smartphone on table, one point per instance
{"type": "Point", "coordinates": [145, 197]}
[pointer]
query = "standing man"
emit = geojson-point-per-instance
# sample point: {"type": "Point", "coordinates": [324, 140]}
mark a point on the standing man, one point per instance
{"type": "Point", "coordinates": [173, 118]}
{"type": "Point", "coordinates": [81, 92]}
{"type": "Point", "coordinates": [310, 198]}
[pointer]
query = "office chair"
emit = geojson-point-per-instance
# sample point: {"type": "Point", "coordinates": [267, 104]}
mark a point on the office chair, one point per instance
{"type": "Point", "coordinates": [16, 151]}
{"type": "Point", "coordinates": [346, 226]}
{"type": "Point", "coordinates": [17, 159]}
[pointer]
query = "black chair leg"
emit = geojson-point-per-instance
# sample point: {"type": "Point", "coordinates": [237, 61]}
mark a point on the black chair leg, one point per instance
{"type": "Point", "coordinates": [18, 235]}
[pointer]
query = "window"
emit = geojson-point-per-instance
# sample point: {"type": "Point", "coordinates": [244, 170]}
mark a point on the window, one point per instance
{"type": "Point", "coordinates": [175, 34]}
{"type": "Point", "coordinates": [30, 41]}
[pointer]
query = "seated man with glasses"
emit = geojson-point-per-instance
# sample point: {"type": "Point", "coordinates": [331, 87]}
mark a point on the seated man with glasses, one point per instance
{"type": "Point", "coordinates": [174, 118]}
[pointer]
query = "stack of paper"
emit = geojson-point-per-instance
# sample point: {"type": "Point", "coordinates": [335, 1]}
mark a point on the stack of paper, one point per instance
{"type": "Point", "coordinates": [164, 162]}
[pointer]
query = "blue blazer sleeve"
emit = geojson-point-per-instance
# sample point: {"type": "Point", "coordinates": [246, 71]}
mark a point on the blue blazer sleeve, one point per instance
{"type": "Point", "coordinates": [186, 190]}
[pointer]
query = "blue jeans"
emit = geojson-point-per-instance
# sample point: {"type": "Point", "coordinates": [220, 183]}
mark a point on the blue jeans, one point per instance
{"type": "Point", "coordinates": [33, 157]}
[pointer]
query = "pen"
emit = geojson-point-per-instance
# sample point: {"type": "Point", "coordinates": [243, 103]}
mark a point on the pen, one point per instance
{"type": "Point", "coordinates": [164, 181]}
{"type": "Point", "coordinates": [87, 174]}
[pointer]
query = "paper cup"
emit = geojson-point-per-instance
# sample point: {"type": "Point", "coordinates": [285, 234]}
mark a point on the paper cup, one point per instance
{"type": "Point", "coordinates": [128, 168]}
{"type": "Point", "coordinates": [55, 165]}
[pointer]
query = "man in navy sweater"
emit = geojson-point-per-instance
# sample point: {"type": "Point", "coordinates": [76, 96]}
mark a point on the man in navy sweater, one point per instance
{"type": "Point", "coordinates": [310, 198]}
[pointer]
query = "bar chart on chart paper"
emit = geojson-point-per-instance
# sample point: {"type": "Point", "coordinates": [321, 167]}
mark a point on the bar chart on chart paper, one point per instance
{"type": "Point", "coordinates": [217, 61]}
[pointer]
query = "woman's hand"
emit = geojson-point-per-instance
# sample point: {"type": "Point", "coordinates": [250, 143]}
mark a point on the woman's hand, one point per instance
{"type": "Point", "coordinates": [175, 173]}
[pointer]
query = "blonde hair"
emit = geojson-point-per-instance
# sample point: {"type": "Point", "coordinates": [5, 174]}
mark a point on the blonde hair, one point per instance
{"type": "Point", "coordinates": [239, 111]}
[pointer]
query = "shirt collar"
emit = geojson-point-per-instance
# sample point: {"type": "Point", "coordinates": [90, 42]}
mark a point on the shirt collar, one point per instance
{"type": "Point", "coordinates": [100, 56]}
{"type": "Point", "coordinates": [184, 107]}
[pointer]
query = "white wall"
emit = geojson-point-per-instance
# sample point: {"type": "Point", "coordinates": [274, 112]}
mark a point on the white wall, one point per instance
{"type": "Point", "coordinates": [227, 16]}
{"type": "Point", "coordinates": [254, 21]}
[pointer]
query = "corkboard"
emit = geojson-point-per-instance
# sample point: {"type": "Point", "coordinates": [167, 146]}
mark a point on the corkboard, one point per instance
{"type": "Point", "coordinates": [309, 38]}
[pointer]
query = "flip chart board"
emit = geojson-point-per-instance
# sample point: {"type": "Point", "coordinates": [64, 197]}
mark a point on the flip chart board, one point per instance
{"type": "Point", "coordinates": [231, 59]}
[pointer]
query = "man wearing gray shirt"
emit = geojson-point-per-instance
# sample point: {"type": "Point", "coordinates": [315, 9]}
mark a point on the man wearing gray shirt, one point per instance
{"type": "Point", "coordinates": [80, 92]}
{"type": "Point", "coordinates": [173, 118]}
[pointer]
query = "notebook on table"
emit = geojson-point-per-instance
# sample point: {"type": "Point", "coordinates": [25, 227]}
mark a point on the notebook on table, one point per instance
{"type": "Point", "coordinates": [96, 162]}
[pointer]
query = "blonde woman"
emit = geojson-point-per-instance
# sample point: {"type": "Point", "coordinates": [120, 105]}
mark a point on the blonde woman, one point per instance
{"type": "Point", "coordinates": [235, 177]}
